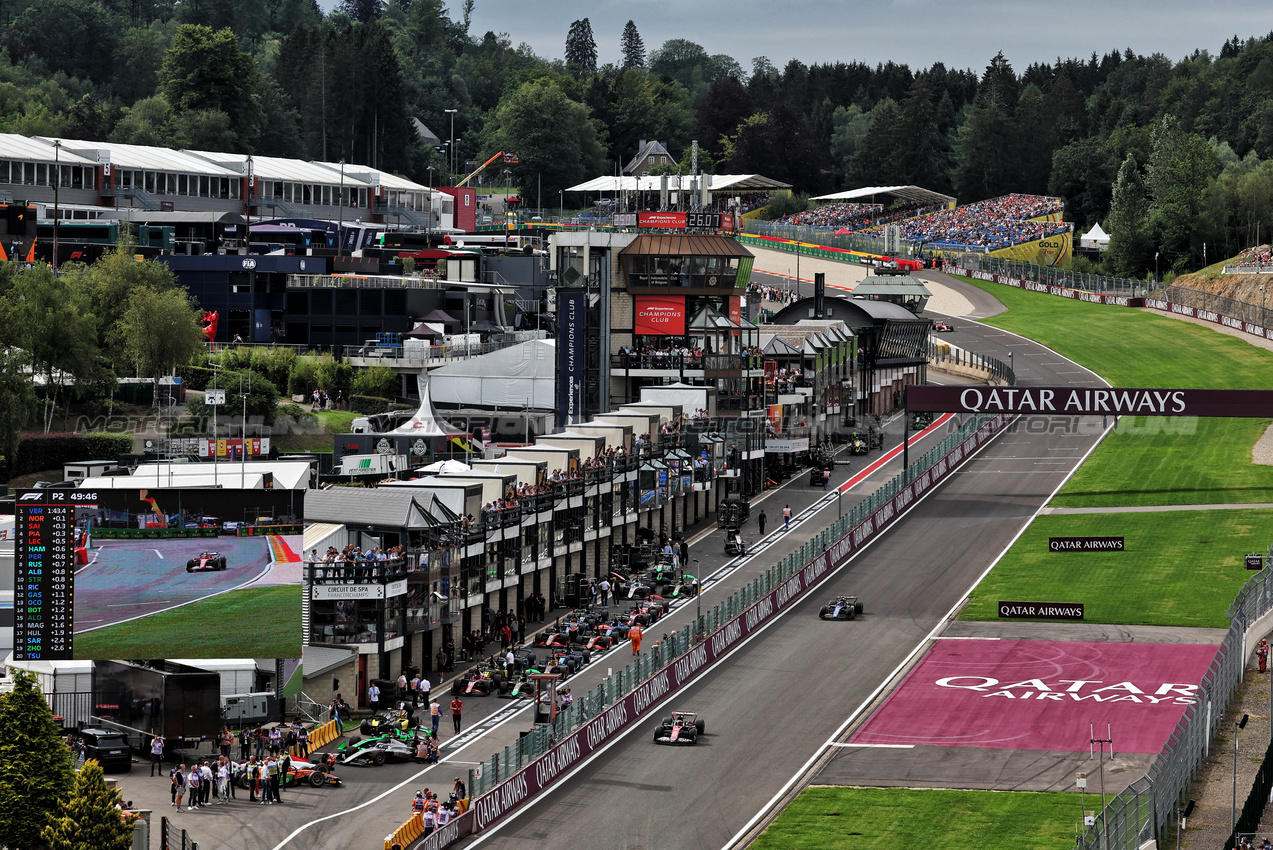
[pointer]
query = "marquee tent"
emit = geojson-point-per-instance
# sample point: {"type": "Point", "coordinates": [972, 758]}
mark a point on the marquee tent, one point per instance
{"type": "Point", "coordinates": [509, 378]}
{"type": "Point", "coordinates": [1095, 238]}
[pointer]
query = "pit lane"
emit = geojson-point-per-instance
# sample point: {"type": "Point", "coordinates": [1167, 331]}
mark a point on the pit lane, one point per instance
{"type": "Point", "coordinates": [772, 706]}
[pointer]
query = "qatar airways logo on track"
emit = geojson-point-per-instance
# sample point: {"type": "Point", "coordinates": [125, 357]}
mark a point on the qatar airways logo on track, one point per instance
{"type": "Point", "coordinates": [1076, 690]}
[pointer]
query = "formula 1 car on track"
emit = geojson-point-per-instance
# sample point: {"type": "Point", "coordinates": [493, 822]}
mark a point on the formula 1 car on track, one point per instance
{"type": "Point", "coordinates": [598, 643]}
{"type": "Point", "coordinates": [858, 444]}
{"type": "Point", "coordinates": [206, 562]}
{"type": "Point", "coordinates": [567, 663]}
{"type": "Point", "coordinates": [841, 608]}
{"type": "Point", "coordinates": [522, 688]}
{"type": "Point", "coordinates": [942, 327]}
{"type": "Point", "coordinates": [683, 727]}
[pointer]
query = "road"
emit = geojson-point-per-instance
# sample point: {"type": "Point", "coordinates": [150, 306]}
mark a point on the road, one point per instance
{"type": "Point", "coordinates": [770, 707]}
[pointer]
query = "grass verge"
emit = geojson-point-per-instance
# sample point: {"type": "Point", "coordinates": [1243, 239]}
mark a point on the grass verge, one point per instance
{"type": "Point", "coordinates": [253, 623]}
{"type": "Point", "coordinates": [1159, 460]}
{"type": "Point", "coordinates": [330, 423]}
{"type": "Point", "coordinates": [1179, 568]}
{"type": "Point", "coordinates": [902, 819]}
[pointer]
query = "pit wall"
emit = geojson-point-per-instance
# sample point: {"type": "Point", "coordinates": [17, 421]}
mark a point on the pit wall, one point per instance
{"type": "Point", "coordinates": [597, 724]}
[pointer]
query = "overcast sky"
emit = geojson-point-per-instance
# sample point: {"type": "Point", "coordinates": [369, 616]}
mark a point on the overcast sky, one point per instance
{"type": "Point", "coordinates": [913, 32]}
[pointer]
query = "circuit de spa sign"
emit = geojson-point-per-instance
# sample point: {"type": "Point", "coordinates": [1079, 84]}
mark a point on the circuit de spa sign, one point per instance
{"type": "Point", "coordinates": [1091, 401]}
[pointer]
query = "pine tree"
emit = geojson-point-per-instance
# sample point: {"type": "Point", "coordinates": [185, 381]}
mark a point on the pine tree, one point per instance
{"type": "Point", "coordinates": [581, 48]}
{"type": "Point", "coordinates": [633, 47]}
{"type": "Point", "coordinates": [35, 765]}
{"type": "Point", "coordinates": [1129, 244]}
{"type": "Point", "coordinates": [89, 816]}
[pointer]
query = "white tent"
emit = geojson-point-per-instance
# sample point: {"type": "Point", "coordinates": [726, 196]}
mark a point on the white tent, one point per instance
{"type": "Point", "coordinates": [447, 467]}
{"type": "Point", "coordinates": [1095, 238]}
{"type": "Point", "coordinates": [509, 378]}
{"type": "Point", "coordinates": [426, 422]}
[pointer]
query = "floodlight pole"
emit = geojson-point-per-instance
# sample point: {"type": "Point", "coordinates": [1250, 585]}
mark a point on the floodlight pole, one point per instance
{"type": "Point", "coordinates": [57, 182]}
{"type": "Point", "coordinates": [1108, 739]}
{"type": "Point", "coordinates": [1233, 817]}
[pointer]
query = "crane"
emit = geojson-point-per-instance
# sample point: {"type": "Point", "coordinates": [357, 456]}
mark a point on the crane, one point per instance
{"type": "Point", "coordinates": [509, 159]}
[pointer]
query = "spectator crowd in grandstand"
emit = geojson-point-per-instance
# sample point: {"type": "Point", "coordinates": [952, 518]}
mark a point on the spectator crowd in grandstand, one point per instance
{"type": "Point", "coordinates": [987, 225]}
{"type": "Point", "coordinates": [850, 218]}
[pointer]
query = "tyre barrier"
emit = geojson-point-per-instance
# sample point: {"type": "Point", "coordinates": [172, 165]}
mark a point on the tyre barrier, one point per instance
{"type": "Point", "coordinates": [766, 598]}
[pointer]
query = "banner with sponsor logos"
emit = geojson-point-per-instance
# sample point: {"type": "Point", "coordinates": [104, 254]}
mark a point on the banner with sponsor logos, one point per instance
{"type": "Point", "coordinates": [1091, 401]}
{"type": "Point", "coordinates": [570, 356]}
{"type": "Point", "coordinates": [660, 315]}
{"type": "Point", "coordinates": [594, 735]}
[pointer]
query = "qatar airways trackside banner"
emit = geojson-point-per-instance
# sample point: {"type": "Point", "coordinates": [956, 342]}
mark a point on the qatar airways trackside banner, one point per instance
{"type": "Point", "coordinates": [1091, 401]}
{"type": "Point", "coordinates": [600, 730]}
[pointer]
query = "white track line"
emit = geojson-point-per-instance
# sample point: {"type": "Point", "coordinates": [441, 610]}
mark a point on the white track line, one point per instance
{"type": "Point", "coordinates": [771, 806]}
{"type": "Point", "coordinates": [697, 679]}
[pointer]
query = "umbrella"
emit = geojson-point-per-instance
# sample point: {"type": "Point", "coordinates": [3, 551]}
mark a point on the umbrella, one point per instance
{"type": "Point", "coordinates": [486, 327]}
{"type": "Point", "coordinates": [448, 465]}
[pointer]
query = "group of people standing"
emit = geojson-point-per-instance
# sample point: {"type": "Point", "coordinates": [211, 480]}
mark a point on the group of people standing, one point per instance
{"type": "Point", "coordinates": [197, 784]}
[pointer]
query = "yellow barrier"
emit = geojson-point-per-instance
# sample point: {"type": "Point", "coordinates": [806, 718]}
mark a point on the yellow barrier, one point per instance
{"type": "Point", "coordinates": [408, 832]}
{"type": "Point", "coordinates": [319, 736]}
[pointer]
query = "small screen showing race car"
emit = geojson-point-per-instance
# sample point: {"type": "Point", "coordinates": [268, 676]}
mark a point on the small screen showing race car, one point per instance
{"type": "Point", "coordinates": [169, 573]}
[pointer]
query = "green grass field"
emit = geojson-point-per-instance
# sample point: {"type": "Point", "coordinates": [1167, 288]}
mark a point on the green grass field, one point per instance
{"type": "Point", "coordinates": [1160, 461]}
{"type": "Point", "coordinates": [1180, 568]}
{"type": "Point", "coordinates": [330, 422]}
{"type": "Point", "coordinates": [903, 819]}
{"type": "Point", "coordinates": [254, 623]}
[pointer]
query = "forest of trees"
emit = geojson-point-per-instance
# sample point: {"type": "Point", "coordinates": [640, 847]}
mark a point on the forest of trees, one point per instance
{"type": "Point", "coordinates": [1170, 154]}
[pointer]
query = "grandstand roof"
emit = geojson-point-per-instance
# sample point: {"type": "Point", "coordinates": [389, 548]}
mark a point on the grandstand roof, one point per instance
{"type": "Point", "coordinates": [891, 285]}
{"type": "Point", "coordinates": [279, 168]}
{"type": "Point", "coordinates": [144, 157]}
{"type": "Point", "coordinates": [35, 149]}
{"type": "Point", "coordinates": [918, 194]}
{"type": "Point", "coordinates": [715, 183]}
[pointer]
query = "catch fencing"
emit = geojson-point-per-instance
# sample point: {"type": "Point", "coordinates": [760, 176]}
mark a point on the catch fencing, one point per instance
{"type": "Point", "coordinates": [511, 778]}
{"type": "Point", "coordinates": [1052, 276]}
{"type": "Point", "coordinates": [1139, 812]}
{"type": "Point", "coordinates": [171, 838]}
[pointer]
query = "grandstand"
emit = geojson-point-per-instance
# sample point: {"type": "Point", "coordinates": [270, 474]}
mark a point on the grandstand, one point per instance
{"type": "Point", "coordinates": [989, 225]}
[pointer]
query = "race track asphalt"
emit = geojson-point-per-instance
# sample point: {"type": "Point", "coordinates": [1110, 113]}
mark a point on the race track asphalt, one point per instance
{"type": "Point", "coordinates": [771, 706]}
{"type": "Point", "coordinates": [131, 578]}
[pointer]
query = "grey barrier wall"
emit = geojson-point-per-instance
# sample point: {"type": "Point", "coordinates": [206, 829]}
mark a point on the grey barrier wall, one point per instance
{"type": "Point", "coordinates": [514, 777]}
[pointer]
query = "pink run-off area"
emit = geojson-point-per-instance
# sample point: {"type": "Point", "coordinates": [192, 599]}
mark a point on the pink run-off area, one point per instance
{"type": "Point", "coordinates": [1041, 695]}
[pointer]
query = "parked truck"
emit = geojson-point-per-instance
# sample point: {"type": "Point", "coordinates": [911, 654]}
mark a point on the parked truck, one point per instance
{"type": "Point", "coordinates": [181, 704]}
{"type": "Point", "coordinates": [374, 465]}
